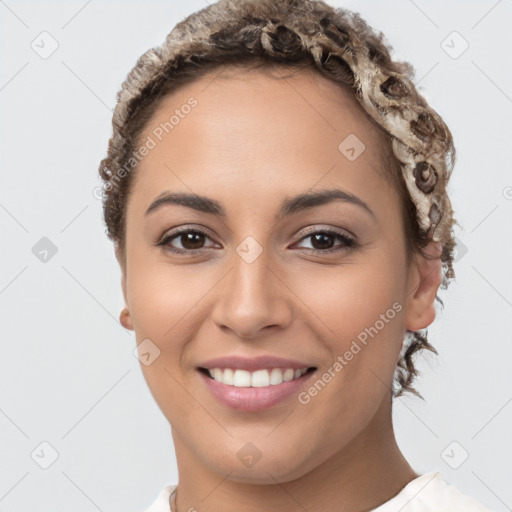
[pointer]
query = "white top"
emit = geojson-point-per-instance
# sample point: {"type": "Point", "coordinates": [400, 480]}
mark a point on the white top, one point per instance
{"type": "Point", "coordinates": [427, 493]}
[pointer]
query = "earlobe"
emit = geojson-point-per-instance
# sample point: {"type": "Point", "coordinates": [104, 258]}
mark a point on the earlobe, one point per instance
{"type": "Point", "coordinates": [424, 281]}
{"type": "Point", "coordinates": [125, 319]}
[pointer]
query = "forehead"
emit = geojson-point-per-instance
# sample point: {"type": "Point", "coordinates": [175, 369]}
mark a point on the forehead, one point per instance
{"type": "Point", "coordinates": [239, 130]}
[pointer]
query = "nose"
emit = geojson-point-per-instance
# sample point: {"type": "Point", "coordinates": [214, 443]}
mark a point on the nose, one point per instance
{"type": "Point", "coordinates": [252, 299]}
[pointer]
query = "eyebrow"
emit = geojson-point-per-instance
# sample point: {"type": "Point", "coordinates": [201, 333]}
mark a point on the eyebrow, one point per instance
{"type": "Point", "coordinates": [289, 206]}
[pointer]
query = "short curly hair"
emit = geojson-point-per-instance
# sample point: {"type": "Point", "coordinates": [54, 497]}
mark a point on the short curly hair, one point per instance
{"type": "Point", "coordinates": [341, 46]}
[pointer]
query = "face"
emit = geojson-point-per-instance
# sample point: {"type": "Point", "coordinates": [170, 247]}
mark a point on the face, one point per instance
{"type": "Point", "coordinates": [272, 283]}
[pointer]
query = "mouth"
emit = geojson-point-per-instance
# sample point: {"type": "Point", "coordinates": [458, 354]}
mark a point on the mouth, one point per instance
{"type": "Point", "coordinates": [256, 390]}
{"type": "Point", "coordinates": [255, 379]}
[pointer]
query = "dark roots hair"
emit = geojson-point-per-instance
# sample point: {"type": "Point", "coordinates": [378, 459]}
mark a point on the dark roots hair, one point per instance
{"type": "Point", "coordinates": [339, 45]}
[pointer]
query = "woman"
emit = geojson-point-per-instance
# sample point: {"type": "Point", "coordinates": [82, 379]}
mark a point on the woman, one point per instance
{"type": "Point", "coordinates": [275, 188]}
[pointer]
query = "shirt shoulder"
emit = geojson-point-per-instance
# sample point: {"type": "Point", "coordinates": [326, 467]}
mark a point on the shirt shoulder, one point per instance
{"type": "Point", "coordinates": [431, 493]}
{"type": "Point", "coordinates": [161, 504]}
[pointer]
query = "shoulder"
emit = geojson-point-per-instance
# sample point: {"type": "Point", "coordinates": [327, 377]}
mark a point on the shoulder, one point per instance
{"type": "Point", "coordinates": [161, 504]}
{"type": "Point", "coordinates": [429, 493]}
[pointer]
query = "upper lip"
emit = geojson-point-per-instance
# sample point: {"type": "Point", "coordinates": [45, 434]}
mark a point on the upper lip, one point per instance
{"type": "Point", "coordinates": [253, 363]}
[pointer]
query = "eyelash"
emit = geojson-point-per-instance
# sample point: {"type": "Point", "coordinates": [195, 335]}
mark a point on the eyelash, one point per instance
{"type": "Point", "coordinates": [349, 242]}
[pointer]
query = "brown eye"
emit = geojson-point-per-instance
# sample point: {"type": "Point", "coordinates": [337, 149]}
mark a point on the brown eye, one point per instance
{"type": "Point", "coordinates": [190, 240]}
{"type": "Point", "coordinates": [323, 241]}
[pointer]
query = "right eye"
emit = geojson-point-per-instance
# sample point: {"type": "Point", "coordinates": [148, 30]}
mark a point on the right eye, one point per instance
{"type": "Point", "coordinates": [191, 240]}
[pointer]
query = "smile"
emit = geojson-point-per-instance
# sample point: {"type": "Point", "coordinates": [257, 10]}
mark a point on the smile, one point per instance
{"type": "Point", "coordinates": [256, 390]}
{"type": "Point", "coordinates": [255, 379]}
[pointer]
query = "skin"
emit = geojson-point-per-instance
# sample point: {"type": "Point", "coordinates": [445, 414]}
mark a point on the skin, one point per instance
{"type": "Point", "coordinates": [252, 141]}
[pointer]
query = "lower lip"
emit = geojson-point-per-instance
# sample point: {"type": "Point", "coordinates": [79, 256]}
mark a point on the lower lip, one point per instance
{"type": "Point", "coordinates": [254, 399]}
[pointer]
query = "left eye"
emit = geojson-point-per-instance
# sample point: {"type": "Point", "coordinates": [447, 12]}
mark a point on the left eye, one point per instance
{"type": "Point", "coordinates": [322, 241]}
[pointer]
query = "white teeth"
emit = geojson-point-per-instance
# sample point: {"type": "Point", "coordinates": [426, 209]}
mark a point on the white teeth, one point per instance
{"type": "Point", "coordinates": [227, 376]}
{"type": "Point", "coordinates": [276, 376]}
{"type": "Point", "coordinates": [260, 379]}
{"type": "Point", "coordinates": [241, 378]}
{"type": "Point", "coordinates": [288, 374]}
{"type": "Point", "coordinates": [256, 379]}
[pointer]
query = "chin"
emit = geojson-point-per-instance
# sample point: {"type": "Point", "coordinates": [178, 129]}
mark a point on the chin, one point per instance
{"type": "Point", "coordinates": [252, 466]}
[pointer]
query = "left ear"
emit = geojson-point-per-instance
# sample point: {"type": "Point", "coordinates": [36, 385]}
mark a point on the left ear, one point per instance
{"type": "Point", "coordinates": [425, 277]}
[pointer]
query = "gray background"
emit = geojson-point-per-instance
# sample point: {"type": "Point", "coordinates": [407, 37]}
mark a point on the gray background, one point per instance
{"type": "Point", "coordinates": [68, 374]}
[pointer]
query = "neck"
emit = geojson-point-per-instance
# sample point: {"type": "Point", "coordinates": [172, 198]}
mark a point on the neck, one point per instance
{"type": "Point", "coordinates": [365, 473]}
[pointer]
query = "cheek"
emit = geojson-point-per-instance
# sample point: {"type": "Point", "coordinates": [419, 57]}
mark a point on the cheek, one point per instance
{"type": "Point", "coordinates": [359, 318]}
{"type": "Point", "coordinates": [165, 311]}
{"type": "Point", "coordinates": [349, 299]}
{"type": "Point", "coordinates": [160, 294]}
{"type": "Point", "coordinates": [163, 303]}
